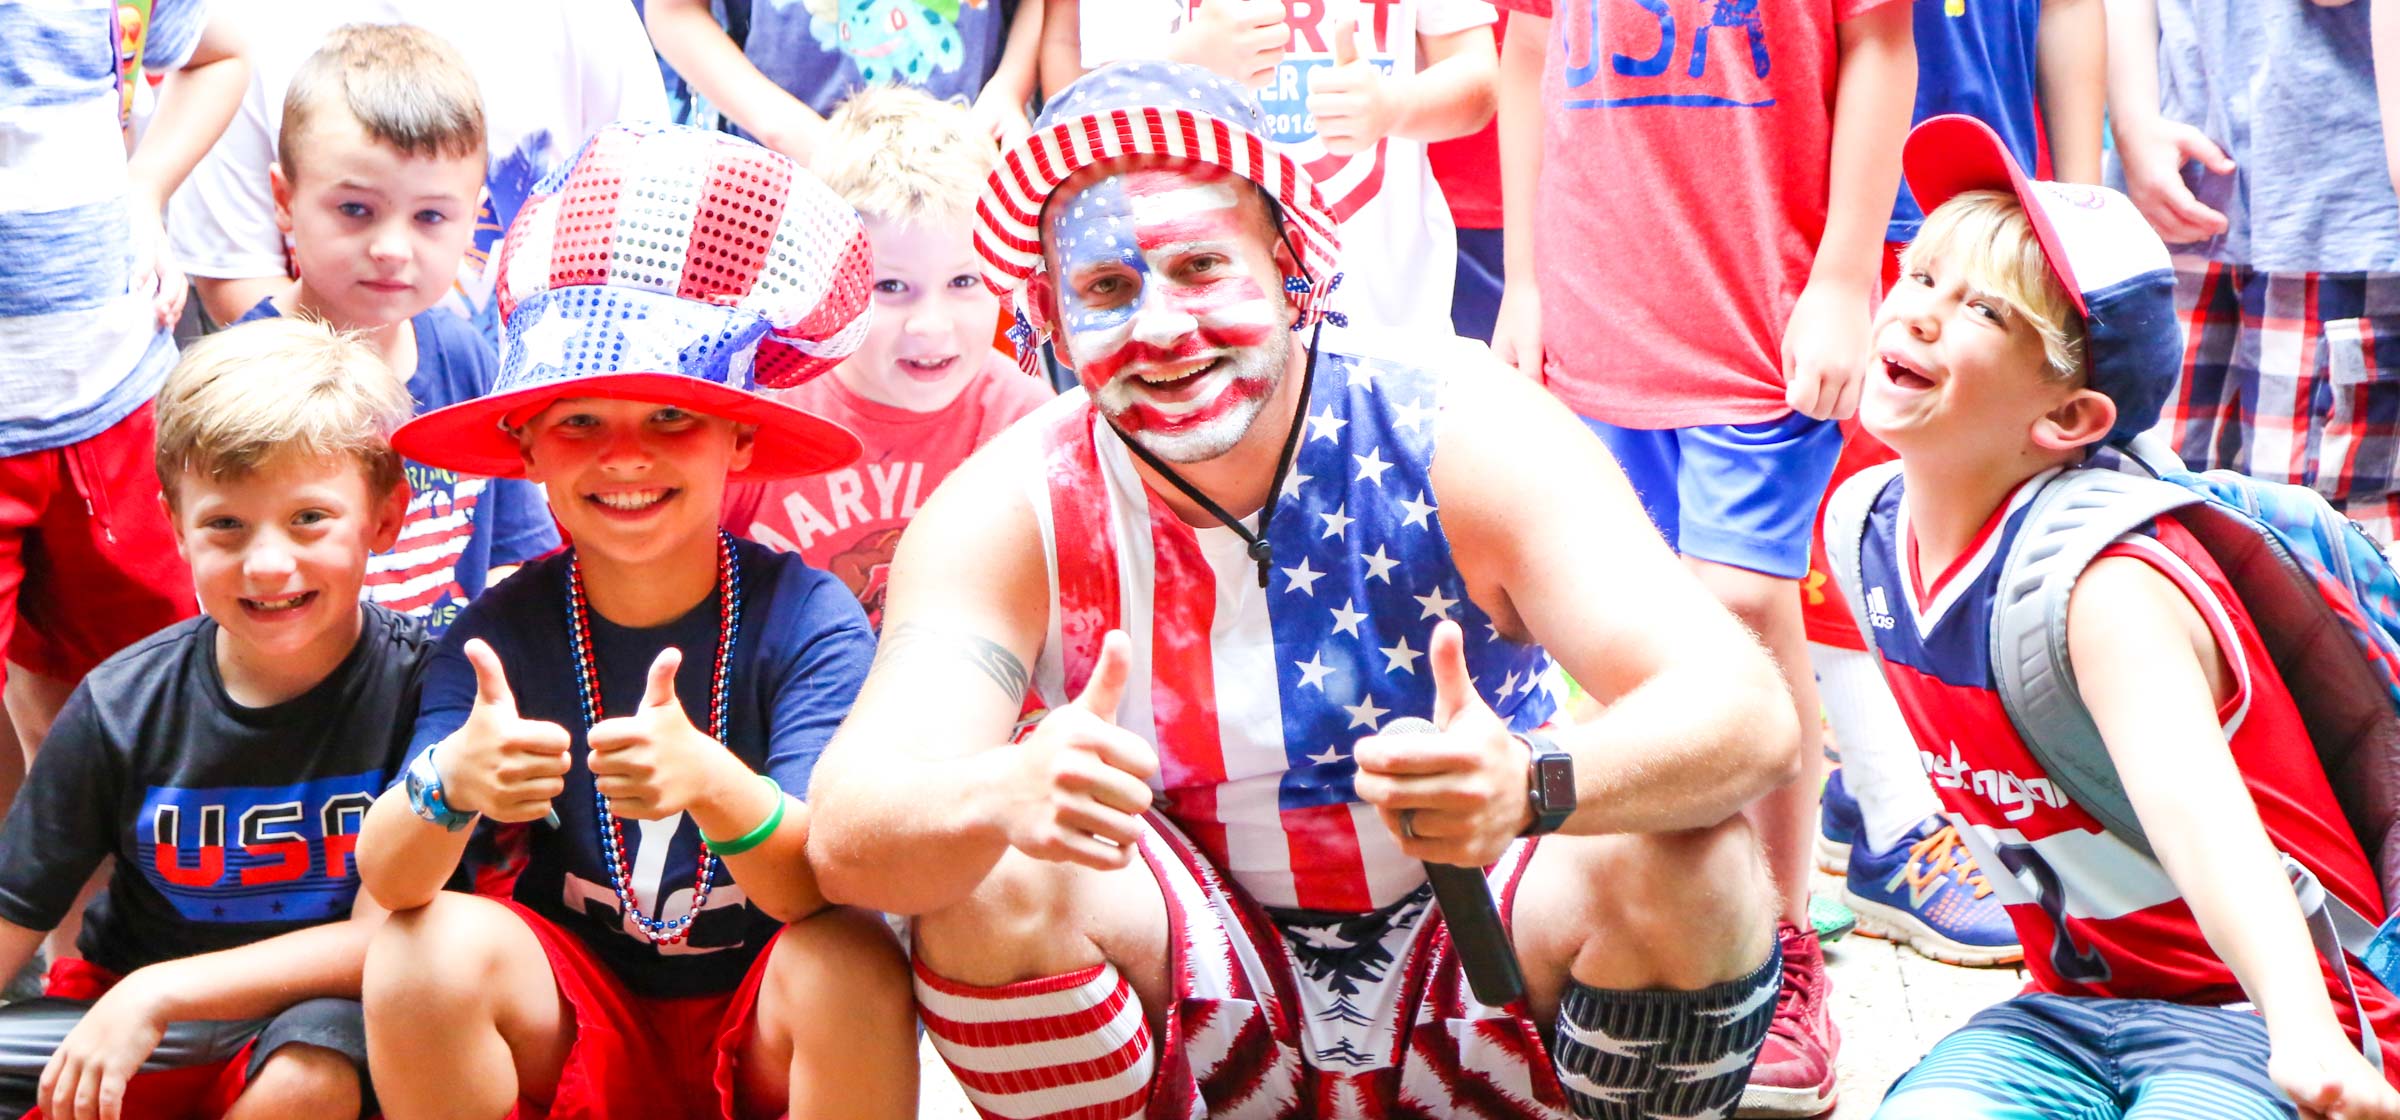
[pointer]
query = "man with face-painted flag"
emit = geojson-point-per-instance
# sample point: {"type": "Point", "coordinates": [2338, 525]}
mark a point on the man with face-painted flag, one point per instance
{"type": "Point", "coordinates": [1195, 886]}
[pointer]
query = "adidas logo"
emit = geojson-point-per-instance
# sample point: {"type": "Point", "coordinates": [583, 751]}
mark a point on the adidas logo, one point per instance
{"type": "Point", "coordinates": [1879, 610]}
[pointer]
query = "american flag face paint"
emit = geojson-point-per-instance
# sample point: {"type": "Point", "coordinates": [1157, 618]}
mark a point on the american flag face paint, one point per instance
{"type": "Point", "coordinates": [1169, 305]}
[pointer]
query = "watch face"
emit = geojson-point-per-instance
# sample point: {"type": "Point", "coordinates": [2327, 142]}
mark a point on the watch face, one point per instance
{"type": "Point", "coordinates": [1554, 782]}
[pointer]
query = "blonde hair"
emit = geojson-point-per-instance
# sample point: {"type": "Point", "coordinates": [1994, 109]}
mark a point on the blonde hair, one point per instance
{"type": "Point", "coordinates": [407, 87]}
{"type": "Point", "coordinates": [1987, 237]}
{"type": "Point", "coordinates": [249, 395]}
{"type": "Point", "coordinates": [898, 154]}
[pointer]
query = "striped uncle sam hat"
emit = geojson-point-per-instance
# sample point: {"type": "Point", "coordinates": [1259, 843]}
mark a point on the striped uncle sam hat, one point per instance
{"type": "Point", "coordinates": [1147, 108]}
{"type": "Point", "coordinates": [674, 265]}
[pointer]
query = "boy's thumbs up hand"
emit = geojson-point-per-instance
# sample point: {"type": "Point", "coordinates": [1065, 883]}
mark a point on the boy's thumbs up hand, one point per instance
{"type": "Point", "coordinates": [1355, 105]}
{"type": "Point", "coordinates": [1076, 788]}
{"type": "Point", "coordinates": [1465, 787]}
{"type": "Point", "coordinates": [653, 763]}
{"type": "Point", "coordinates": [497, 763]}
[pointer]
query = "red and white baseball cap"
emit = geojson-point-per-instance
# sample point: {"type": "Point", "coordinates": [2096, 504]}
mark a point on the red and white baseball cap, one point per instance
{"type": "Point", "coordinates": [674, 265]}
{"type": "Point", "coordinates": [2111, 262]}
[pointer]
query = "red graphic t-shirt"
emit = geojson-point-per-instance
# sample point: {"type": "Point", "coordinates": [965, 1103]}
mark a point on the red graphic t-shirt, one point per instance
{"type": "Point", "coordinates": [1686, 152]}
{"type": "Point", "coordinates": [847, 522]}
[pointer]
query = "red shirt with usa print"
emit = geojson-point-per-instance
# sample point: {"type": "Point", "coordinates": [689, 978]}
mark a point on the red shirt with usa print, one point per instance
{"type": "Point", "coordinates": [2097, 917]}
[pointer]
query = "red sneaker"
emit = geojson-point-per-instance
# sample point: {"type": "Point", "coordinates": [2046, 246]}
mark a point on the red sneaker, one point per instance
{"type": "Point", "coordinates": [1794, 1074]}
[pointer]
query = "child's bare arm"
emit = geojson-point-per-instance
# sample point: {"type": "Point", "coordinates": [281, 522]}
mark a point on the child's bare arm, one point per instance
{"type": "Point", "coordinates": [1001, 103]}
{"type": "Point", "coordinates": [2153, 676]}
{"type": "Point", "coordinates": [254, 981]}
{"type": "Point", "coordinates": [1060, 56]}
{"type": "Point", "coordinates": [689, 37]}
{"type": "Point", "coordinates": [404, 860]}
{"type": "Point", "coordinates": [194, 103]}
{"type": "Point", "coordinates": [2073, 69]}
{"type": "Point", "coordinates": [2153, 148]}
{"type": "Point", "coordinates": [1517, 332]}
{"type": "Point", "coordinates": [17, 946]}
{"type": "Point", "coordinates": [1357, 105]}
{"type": "Point", "coordinates": [1825, 344]}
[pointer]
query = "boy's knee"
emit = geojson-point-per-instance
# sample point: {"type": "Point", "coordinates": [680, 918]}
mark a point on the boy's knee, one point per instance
{"type": "Point", "coordinates": [302, 1080]}
{"type": "Point", "coordinates": [844, 958]}
{"type": "Point", "coordinates": [437, 953]}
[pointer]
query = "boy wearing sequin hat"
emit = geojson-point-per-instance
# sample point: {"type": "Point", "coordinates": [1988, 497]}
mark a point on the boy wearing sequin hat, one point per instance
{"type": "Point", "coordinates": [659, 692]}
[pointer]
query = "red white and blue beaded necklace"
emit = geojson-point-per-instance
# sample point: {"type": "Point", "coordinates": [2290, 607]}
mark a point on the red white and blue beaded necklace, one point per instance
{"type": "Point", "coordinates": [587, 688]}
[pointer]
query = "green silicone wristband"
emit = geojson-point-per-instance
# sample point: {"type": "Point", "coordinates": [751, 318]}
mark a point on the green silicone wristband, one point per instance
{"type": "Point", "coordinates": [756, 836]}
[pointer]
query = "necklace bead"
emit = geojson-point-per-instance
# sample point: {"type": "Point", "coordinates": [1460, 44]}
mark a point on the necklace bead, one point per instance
{"type": "Point", "coordinates": [587, 686]}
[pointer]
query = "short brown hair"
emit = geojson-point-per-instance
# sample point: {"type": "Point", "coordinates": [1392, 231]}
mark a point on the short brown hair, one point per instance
{"type": "Point", "coordinates": [406, 86]}
{"type": "Point", "coordinates": [250, 394]}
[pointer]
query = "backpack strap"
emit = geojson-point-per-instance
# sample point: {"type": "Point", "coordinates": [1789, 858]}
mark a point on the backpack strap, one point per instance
{"type": "Point", "coordinates": [1846, 534]}
{"type": "Point", "coordinates": [2074, 517]}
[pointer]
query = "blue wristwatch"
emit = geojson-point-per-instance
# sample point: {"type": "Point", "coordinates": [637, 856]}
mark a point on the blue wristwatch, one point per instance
{"type": "Point", "coordinates": [425, 795]}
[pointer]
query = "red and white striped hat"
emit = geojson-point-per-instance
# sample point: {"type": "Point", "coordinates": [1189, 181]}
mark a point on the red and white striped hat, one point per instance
{"type": "Point", "coordinates": [675, 265]}
{"type": "Point", "coordinates": [1148, 108]}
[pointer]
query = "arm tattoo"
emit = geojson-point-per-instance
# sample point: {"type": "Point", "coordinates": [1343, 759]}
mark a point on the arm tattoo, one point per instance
{"type": "Point", "coordinates": [912, 640]}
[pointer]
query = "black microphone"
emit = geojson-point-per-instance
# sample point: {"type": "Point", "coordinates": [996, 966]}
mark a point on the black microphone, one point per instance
{"type": "Point", "coordinates": [1483, 947]}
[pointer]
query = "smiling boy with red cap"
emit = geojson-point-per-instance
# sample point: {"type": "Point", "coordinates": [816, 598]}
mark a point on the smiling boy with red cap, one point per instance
{"type": "Point", "coordinates": [675, 684]}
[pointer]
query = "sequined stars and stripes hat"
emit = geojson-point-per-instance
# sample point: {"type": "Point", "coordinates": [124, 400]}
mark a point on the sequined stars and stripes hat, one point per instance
{"type": "Point", "coordinates": [1147, 108]}
{"type": "Point", "coordinates": [673, 265]}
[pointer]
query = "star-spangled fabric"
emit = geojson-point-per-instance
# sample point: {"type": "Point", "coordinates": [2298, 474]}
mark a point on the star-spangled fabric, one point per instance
{"type": "Point", "coordinates": [1255, 697]}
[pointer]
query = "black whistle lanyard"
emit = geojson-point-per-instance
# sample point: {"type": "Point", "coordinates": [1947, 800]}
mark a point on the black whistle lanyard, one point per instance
{"type": "Point", "coordinates": [1259, 548]}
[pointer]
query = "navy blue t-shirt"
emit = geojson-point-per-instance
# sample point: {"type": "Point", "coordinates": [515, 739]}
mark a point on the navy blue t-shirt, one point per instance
{"type": "Point", "coordinates": [798, 660]}
{"type": "Point", "coordinates": [1976, 57]}
{"type": "Point", "coordinates": [458, 527]}
{"type": "Point", "coordinates": [948, 48]}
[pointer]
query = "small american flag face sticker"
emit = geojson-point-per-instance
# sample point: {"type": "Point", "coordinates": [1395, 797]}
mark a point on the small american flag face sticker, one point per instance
{"type": "Point", "coordinates": [1164, 314]}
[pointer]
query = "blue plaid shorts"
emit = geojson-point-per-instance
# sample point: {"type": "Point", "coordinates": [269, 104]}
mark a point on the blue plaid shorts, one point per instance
{"type": "Point", "coordinates": [2293, 378]}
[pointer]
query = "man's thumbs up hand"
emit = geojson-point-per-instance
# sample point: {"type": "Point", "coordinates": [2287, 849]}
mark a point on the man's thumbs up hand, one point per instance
{"type": "Point", "coordinates": [498, 764]}
{"type": "Point", "coordinates": [1465, 789]}
{"type": "Point", "coordinates": [1076, 788]}
{"type": "Point", "coordinates": [1355, 105]}
{"type": "Point", "coordinates": [653, 763]}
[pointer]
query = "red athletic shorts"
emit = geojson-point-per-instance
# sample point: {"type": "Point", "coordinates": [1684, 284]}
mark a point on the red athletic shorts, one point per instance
{"type": "Point", "coordinates": [639, 1058]}
{"type": "Point", "coordinates": [197, 1092]}
{"type": "Point", "coordinates": [87, 560]}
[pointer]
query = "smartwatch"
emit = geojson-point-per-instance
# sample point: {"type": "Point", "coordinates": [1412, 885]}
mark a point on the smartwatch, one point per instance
{"type": "Point", "coordinates": [425, 795]}
{"type": "Point", "coordinates": [1549, 784]}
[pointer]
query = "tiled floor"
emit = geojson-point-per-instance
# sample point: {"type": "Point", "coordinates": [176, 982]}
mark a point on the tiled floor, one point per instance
{"type": "Point", "coordinates": [1892, 1006]}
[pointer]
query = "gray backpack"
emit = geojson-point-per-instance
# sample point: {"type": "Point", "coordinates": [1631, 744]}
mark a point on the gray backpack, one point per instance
{"type": "Point", "coordinates": [2286, 553]}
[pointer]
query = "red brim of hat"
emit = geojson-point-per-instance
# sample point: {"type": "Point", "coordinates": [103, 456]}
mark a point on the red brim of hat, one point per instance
{"type": "Point", "coordinates": [1949, 155]}
{"type": "Point", "coordinates": [472, 439]}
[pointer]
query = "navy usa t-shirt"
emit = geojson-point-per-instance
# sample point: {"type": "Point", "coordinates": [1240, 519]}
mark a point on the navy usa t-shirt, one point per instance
{"type": "Point", "coordinates": [458, 527]}
{"type": "Point", "coordinates": [797, 665]}
{"type": "Point", "coordinates": [230, 824]}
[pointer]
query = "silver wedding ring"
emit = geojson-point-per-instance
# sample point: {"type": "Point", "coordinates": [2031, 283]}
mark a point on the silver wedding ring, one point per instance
{"type": "Point", "coordinates": [1408, 823]}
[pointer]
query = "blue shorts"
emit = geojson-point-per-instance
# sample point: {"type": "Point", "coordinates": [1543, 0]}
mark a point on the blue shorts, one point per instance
{"type": "Point", "coordinates": [2046, 1057]}
{"type": "Point", "coordinates": [1742, 495]}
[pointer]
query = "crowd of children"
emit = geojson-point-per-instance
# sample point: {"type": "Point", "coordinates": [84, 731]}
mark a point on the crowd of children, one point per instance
{"type": "Point", "coordinates": [507, 525]}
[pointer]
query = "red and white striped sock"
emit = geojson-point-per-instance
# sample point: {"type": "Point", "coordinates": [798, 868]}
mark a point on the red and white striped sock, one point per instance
{"type": "Point", "coordinates": [1071, 1047]}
